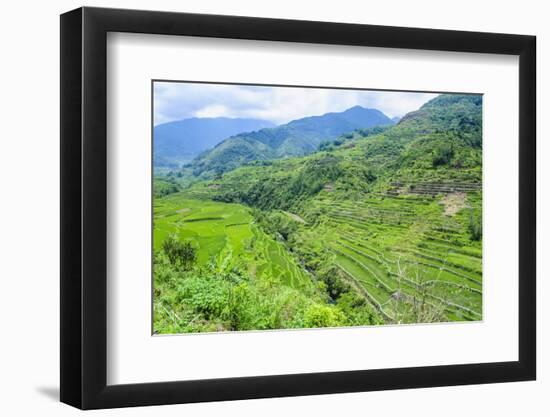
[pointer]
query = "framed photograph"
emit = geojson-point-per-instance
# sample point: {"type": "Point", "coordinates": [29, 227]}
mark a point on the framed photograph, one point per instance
{"type": "Point", "coordinates": [257, 208]}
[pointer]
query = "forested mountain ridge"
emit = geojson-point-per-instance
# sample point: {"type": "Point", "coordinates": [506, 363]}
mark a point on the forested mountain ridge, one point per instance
{"type": "Point", "coordinates": [447, 112]}
{"type": "Point", "coordinates": [439, 142]}
{"type": "Point", "coordinates": [180, 141]}
{"type": "Point", "coordinates": [296, 138]}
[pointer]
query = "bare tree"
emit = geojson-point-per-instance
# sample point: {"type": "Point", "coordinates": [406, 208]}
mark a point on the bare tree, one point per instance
{"type": "Point", "coordinates": [420, 306]}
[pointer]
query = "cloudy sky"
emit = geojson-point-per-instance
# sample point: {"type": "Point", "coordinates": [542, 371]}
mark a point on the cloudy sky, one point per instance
{"type": "Point", "coordinates": [177, 101]}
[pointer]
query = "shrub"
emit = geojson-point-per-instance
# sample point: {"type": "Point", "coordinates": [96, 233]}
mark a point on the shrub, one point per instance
{"type": "Point", "coordinates": [319, 315]}
{"type": "Point", "coordinates": [357, 310]}
{"type": "Point", "coordinates": [181, 254]}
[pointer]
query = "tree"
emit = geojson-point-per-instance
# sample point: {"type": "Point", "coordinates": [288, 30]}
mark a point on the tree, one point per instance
{"type": "Point", "coordinates": [474, 227]}
{"type": "Point", "coordinates": [335, 285]}
{"type": "Point", "coordinates": [417, 308]}
{"type": "Point", "coordinates": [442, 155]}
{"type": "Point", "coordinates": [180, 254]}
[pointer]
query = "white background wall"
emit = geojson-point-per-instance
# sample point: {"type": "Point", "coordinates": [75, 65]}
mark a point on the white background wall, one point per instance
{"type": "Point", "coordinates": [29, 225]}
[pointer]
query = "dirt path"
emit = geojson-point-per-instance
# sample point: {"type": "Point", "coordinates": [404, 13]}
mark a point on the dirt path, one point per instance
{"type": "Point", "coordinates": [453, 203]}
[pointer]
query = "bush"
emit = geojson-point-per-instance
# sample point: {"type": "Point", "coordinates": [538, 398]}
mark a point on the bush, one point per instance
{"type": "Point", "coordinates": [205, 294]}
{"type": "Point", "coordinates": [357, 310]}
{"type": "Point", "coordinates": [181, 254]}
{"type": "Point", "coordinates": [319, 315]}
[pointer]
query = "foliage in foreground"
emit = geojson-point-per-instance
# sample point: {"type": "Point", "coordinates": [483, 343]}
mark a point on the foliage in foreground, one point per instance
{"type": "Point", "coordinates": [204, 299]}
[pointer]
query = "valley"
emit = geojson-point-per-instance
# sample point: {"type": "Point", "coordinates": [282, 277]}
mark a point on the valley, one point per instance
{"type": "Point", "coordinates": [376, 226]}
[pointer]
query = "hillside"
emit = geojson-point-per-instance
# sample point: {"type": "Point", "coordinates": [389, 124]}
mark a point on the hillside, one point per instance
{"type": "Point", "coordinates": [181, 141]}
{"type": "Point", "coordinates": [384, 224]}
{"type": "Point", "coordinates": [439, 142]}
{"type": "Point", "coordinates": [299, 137]}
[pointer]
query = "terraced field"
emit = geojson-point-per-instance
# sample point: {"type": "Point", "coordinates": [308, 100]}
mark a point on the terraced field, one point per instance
{"type": "Point", "coordinates": [404, 247]}
{"type": "Point", "coordinates": [225, 235]}
{"type": "Point", "coordinates": [388, 247]}
{"type": "Point", "coordinates": [377, 226]}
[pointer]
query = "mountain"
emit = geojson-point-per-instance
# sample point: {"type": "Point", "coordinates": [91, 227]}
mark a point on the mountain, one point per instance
{"type": "Point", "coordinates": [387, 222]}
{"type": "Point", "coordinates": [454, 112]}
{"type": "Point", "coordinates": [440, 142]}
{"type": "Point", "coordinates": [297, 138]}
{"type": "Point", "coordinates": [396, 119]}
{"type": "Point", "coordinates": [181, 141]}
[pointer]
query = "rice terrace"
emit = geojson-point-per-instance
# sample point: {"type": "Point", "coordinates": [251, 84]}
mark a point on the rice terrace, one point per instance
{"type": "Point", "coordinates": [346, 217]}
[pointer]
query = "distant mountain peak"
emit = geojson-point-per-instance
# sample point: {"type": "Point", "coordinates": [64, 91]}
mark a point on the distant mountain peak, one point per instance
{"type": "Point", "coordinates": [180, 141]}
{"type": "Point", "coordinates": [296, 138]}
{"type": "Point", "coordinates": [356, 107]}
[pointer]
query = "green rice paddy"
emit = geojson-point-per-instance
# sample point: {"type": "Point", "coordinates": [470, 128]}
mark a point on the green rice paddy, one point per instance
{"type": "Point", "coordinates": [225, 235]}
{"type": "Point", "coordinates": [389, 247]}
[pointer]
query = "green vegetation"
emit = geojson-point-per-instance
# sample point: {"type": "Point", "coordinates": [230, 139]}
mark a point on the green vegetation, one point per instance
{"type": "Point", "coordinates": [242, 277]}
{"type": "Point", "coordinates": [179, 142]}
{"type": "Point", "coordinates": [181, 255]}
{"type": "Point", "coordinates": [165, 185]}
{"type": "Point", "coordinates": [379, 226]}
{"type": "Point", "coordinates": [299, 137]}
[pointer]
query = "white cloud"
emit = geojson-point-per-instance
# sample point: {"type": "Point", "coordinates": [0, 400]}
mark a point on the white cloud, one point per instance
{"type": "Point", "coordinates": [176, 101]}
{"type": "Point", "coordinates": [213, 110]}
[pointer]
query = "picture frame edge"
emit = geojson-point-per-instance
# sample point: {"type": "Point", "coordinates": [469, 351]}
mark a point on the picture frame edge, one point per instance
{"type": "Point", "coordinates": [83, 232]}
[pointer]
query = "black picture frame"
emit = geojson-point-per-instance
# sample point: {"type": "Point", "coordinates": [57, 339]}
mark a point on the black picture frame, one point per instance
{"type": "Point", "coordinates": [84, 207]}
